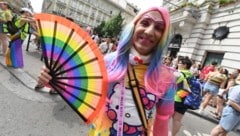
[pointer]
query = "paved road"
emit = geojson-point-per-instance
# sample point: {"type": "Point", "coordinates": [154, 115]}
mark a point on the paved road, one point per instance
{"type": "Point", "coordinates": [25, 114]}
{"type": "Point", "coordinates": [194, 125]}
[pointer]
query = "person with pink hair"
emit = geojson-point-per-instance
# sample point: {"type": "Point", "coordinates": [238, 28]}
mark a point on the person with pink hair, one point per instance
{"type": "Point", "coordinates": [140, 49]}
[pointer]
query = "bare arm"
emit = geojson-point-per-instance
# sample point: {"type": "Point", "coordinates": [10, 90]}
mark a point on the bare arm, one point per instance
{"type": "Point", "coordinates": [33, 25]}
{"type": "Point", "coordinates": [229, 84]}
{"type": "Point", "coordinates": [234, 105]}
{"type": "Point", "coordinates": [24, 20]}
{"type": "Point", "coordinates": [222, 85]}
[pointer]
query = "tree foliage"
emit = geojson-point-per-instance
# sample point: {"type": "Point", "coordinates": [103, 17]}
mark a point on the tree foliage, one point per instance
{"type": "Point", "coordinates": [111, 28]}
{"type": "Point", "coordinates": [222, 2]}
{"type": "Point", "coordinates": [99, 28]}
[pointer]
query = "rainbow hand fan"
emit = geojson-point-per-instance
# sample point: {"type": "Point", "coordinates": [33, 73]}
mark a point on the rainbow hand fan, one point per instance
{"type": "Point", "coordinates": [75, 63]}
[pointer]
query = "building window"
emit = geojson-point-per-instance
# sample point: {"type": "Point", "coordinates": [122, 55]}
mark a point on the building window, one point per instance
{"type": "Point", "coordinates": [71, 13]}
{"type": "Point", "coordinates": [74, 3]}
{"type": "Point", "coordinates": [176, 41]}
{"type": "Point", "coordinates": [95, 3]}
{"type": "Point", "coordinates": [213, 56]}
{"type": "Point", "coordinates": [80, 6]}
{"type": "Point", "coordinates": [63, 1]}
{"type": "Point", "coordinates": [93, 14]}
{"type": "Point", "coordinates": [175, 45]}
{"type": "Point", "coordinates": [60, 10]}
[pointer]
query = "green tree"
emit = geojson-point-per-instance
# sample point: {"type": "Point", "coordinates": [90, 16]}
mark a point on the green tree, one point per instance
{"type": "Point", "coordinates": [222, 2]}
{"type": "Point", "coordinates": [99, 29]}
{"type": "Point", "coordinates": [113, 27]}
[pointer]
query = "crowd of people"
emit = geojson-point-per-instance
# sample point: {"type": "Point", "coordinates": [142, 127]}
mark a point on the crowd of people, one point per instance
{"type": "Point", "coordinates": [106, 44]}
{"type": "Point", "coordinates": [159, 79]}
{"type": "Point", "coordinates": [220, 87]}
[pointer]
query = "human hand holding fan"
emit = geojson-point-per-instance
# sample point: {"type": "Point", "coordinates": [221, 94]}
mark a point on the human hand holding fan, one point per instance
{"type": "Point", "coordinates": [75, 64]}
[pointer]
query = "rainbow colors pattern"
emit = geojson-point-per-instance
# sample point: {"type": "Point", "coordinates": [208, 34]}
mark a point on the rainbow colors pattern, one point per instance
{"type": "Point", "coordinates": [14, 56]}
{"type": "Point", "coordinates": [75, 63]}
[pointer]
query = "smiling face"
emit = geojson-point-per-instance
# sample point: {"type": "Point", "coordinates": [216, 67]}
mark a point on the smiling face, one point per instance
{"type": "Point", "coordinates": [148, 32]}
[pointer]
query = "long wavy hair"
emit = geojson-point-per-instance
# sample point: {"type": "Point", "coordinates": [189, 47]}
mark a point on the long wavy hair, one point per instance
{"type": "Point", "coordinates": [119, 64]}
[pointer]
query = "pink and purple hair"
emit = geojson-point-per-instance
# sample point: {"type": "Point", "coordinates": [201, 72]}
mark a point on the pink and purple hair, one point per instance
{"type": "Point", "coordinates": [118, 65]}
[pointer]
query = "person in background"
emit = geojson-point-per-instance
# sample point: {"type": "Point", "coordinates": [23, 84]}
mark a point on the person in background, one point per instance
{"type": "Point", "coordinates": [96, 38]}
{"type": "Point", "coordinates": [33, 30]}
{"type": "Point", "coordinates": [199, 66]}
{"type": "Point", "coordinates": [230, 118]}
{"type": "Point", "coordinates": [205, 70]}
{"type": "Point", "coordinates": [167, 61]}
{"type": "Point", "coordinates": [194, 69]}
{"type": "Point", "coordinates": [215, 80]}
{"type": "Point", "coordinates": [174, 63]}
{"type": "Point", "coordinates": [140, 48]}
{"type": "Point", "coordinates": [6, 16]}
{"type": "Point", "coordinates": [89, 30]}
{"type": "Point", "coordinates": [115, 43]}
{"type": "Point", "coordinates": [222, 94]}
{"type": "Point", "coordinates": [184, 64]}
{"type": "Point", "coordinates": [213, 101]}
{"type": "Point", "coordinates": [14, 57]}
{"type": "Point", "coordinates": [106, 46]}
{"type": "Point", "coordinates": [238, 78]}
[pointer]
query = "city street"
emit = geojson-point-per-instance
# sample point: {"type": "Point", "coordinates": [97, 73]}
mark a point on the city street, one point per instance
{"type": "Point", "coordinates": [25, 112]}
{"type": "Point", "coordinates": [28, 113]}
{"type": "Point", "coordinates": [197, 38]}
{"type": "Point", "coordinates": [196, 126]}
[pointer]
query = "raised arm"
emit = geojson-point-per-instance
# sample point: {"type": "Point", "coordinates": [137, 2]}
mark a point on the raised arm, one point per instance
{"type": "Point", "coordinates": [24, 20]}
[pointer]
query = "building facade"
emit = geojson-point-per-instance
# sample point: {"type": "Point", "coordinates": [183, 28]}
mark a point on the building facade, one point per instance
{"type": "Point", "coordinates": [205, 31]}
{"type": "Point", "coordinates": [90, 13]}
{"type": "Point", "coordinates": [16, 5]}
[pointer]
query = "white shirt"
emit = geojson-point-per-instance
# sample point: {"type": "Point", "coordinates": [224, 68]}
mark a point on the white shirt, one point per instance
{"type": "Point", "coordinates": [105, 48]}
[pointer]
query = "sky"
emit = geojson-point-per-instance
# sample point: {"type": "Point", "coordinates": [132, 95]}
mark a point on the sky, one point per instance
{"type": "Point", "coordinates": [37, 5]}
{"type": "Point", "coordinates": [142, 4]}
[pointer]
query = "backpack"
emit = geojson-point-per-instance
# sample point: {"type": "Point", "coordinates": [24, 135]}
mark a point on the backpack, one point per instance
{"type": "Point", "coordinates": [11, 27]}
{"type": "Point", "coordinates": [194, 98]}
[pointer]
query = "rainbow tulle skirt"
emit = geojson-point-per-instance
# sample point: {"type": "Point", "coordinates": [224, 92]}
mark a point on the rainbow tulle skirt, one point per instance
{"type": "Point", "coordinates": [14, 57]}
